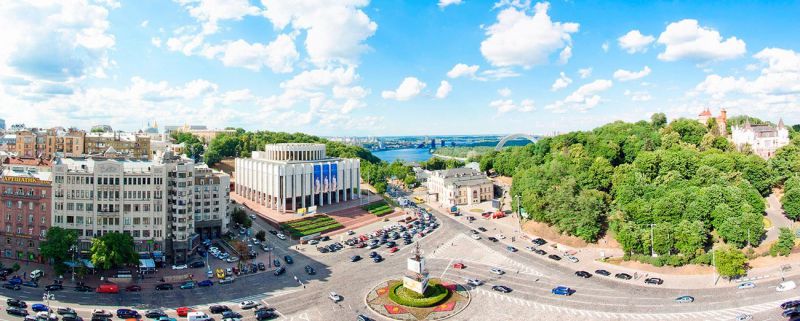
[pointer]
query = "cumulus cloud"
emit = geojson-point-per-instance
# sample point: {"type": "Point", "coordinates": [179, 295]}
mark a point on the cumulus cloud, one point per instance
{"type": "Point", "coordinates": [279, 55]}
{"type": "Point", "coordinates": [634, 41]}
{"type": "Point", "coordinates": [409, 88]}
{"type": "Point", "coordinates": [444, 89]}
{"type": "Point", "coordinates": [585, 72]}
{"type": "Point", "coordinates": [625, 75]}
{"type": "Point", "coordinates": [565, 54]}
{"type": "Point", "coordinates": [463, 70]}
{"type": "Point", "coordinates": [584, 98]}
{"type": "Point", "coordinates": [561, 82]}
{"type": "Point", "coordinates": [686, 39]}
{"type": "Point", "coordinates": [508, 105]}
{"type": "Point", "coordinates": [210, 12]}
{"type": "Point", "coordinates": [519, 39]}
{"type": "Point", "coordinates": [444, 3]}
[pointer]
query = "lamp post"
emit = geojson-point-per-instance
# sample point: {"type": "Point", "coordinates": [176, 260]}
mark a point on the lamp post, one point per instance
{"type": "Point", "coordinates": [73, 249]}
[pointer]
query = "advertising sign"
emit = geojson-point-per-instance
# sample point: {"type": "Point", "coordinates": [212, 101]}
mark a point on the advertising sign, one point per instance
{"type": "Point", "coordinates": [326, 178]}
{"type": "Point", "coordinates": [334, 176]}
{"type": "Point", "coordinates": [317, 179]}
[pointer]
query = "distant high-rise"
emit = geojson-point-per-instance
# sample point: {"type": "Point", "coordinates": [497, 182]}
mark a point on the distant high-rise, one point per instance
{"type": "Point", "coordinates": [442, 143]}
{"type": "Point", "coordinates": [2, 124]}
{"type": "Point", "coordinates": [433, 142]}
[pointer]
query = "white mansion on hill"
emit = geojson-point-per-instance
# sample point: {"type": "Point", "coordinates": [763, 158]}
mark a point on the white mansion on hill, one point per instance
{"type": "Point", "coordinates": [764, 140]}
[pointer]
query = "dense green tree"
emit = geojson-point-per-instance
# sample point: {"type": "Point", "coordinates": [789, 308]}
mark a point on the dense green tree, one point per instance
{"type": "Point", "coordinates": [261, 236]}
{"type": "Point", "coordinates": [791, 203]}
{"type": "Point", "coordinates": [730, 262]}
{"type": "Point", "coordinates": [690, 237]}
{"type": "Point", "coordinates": [600, 174]}
{"type": "Point", "coordinates": [658, 120]}
{"type": "Point", "coordinates": [239, 216]}
{"type": "Point", "coordinates": [113, 249]}
{"type": "Point", "coordinates": [785, 243]}
{"type": "Point", "coordinates": [690, 130]}
{"type": "Point", "coordinates": [57, 246]}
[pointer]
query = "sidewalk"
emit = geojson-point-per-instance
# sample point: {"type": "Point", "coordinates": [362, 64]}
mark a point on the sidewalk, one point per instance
{"type": "Point", "coordinates": [590, 258]}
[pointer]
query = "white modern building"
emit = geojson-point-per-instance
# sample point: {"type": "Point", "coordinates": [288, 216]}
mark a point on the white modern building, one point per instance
{"type": "Point", "coordinates": [459, 186]}
{"type": "Point", "coordinates": [294, 177]}
{"type": "Point", "coordinates": [153, 201]}
{"type": "Point", "coordinates": [763, 140]}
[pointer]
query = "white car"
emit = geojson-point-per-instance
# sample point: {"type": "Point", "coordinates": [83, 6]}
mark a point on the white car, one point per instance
{"type": "Point", "coordinates": [350, 232]}
{"type": "Point", "coordinates": [248, 305]}
{"type": "Point", "coordinates": [281, 236]}
{"type": "Point", "coordinates": [498, 271]}
{"type": "Point", "coordinates": [232, 259]}
{"type": "Point", "coordinates": [744, 317]}
{"type": "Point", "coordinates": [786, 286]}
{"type": "Point", "coordinates": [256, 241]}
{"type": "Point", "coordinates": [501, 236]}
{"type": "Point", "coordinates": [313, 242]}
{"type": "Point", "coordinates": [530, 248]}
{"type": "Point", "coordinates": [101, 312]}
{"type": "Point", "coordinates": [180, 267]}
{"type": "Point", "coordinates": [475, 237]}
{"type": "Point", "coordinates": [572, 259]}
{"type": "Point", "coordinates": [746, 285]}
{"type": "Point", "coordinates": [334, 297]}
{"type": "Point", "coordinates": [474, 282]}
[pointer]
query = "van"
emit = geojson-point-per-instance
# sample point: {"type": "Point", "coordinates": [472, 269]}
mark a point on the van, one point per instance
{"type": "Point", "coordinates": [108, 288]}
{"type": "Point", "coordinates": [197, 316]}
{"type": "Point", "coordinates": [37, 274]}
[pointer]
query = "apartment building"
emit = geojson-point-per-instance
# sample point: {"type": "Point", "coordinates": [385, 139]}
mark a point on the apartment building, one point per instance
{"type": "Point", "coordinates": [460, 186]}
{"type": "Point", "coordinates": [211, 196]}
{"type": "Point", "coordinates": [122, 144]}
{"type": "Point", "coordinates": [24, 212]}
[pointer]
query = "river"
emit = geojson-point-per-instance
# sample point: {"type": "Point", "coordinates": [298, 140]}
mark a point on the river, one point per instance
{"type": "Point", "coordinates": [405, 154]}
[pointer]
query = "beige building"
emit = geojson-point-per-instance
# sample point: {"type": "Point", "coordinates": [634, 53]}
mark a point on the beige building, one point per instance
{"type": "Point", "coordinates": [124, 144]}
{"type": "Point", "coordinates": [64, 143]}
{"type": "Point", "coordinates": [31, 143]}
{"type": "Point", "coordinates": [459, 186]}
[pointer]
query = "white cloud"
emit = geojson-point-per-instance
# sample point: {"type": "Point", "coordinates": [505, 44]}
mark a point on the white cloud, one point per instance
{"type": "Point", "coordinates": [156, 41]}
{"type": "Point", "coordinates": [463, 70]}
{"type": "Point", "coordinates": [604, 46]}
{"type": "Point", "coordinates": [444, 89]}
{"type": "Point", "coordinates": [585, 72]}
{"type": "Point", "coordinates": [144, 24]}
{"type": "Point", "coordinates": [638, 96]}
{"type": "Point", "coordinates": [517, 39]}
{"type": "Point", "coordinates": [279, 55]}
{"type": "Point", "coordinates": [335, 30]}
{"type": "Point", "coordinates": [685, 39]}
{"type": "Point", "coordinates": [562, 82]}
{"type": "Point", "coordinates": [584, 98]}
{"type": "Point", "coordinates": [507, 105]}
{"type": "Point", "coordinates": [504, 92]}
{"type": "Point", "coordinates": [634, 41]}
{"type": "Point", "coordinates": [210, 12]}
{"type": "Point", "coordinates": [497, 74]}
{"type": "Point", "coordinates": [409, 88]}
{"type": "Point", "coordinates": [445, 3]}
{"type": "Point", "coordinates": [565, 54]}
{"type": "Point", "coordinates": [625, 75]}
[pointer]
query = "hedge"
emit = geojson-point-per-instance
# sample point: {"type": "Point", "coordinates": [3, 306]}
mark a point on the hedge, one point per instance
{"type": "Point", "coordinates": [310, 220]}
{"type": "Point", "coordinates": [313, 226]}
{"type": "Point", "coordinates": [322, 229]}
{"type": "Point", "coordinates": [383, 212]}
{"type": "Point", "coordinates": [434, 294]}
{"type": "Point", "coordinates": [373, 206]}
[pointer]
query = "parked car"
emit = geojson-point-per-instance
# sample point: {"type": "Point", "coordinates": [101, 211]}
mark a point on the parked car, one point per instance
{"type": "Point", "coordinates": [310, 270]}
{"type": "Point", "coordinates": [102, 313]}
{"type": "Point", "coordinates": [53, 287]}
{"type": "Point", "coordinates": [17, 303]}
{"type": "Point", "coordinates": [11, 286]}
{"type": "Point", "coordinates": [133, 288]}
{"type": "Point", "coordinates": [790, 304]}
{"type": "Point", "coordinates": [562, 290]}
{"type": "Point", "coordinates": [36, 307]}
{"type": "Point", "coordinates": [540, 252]}
{"type": "Point", "coordinates": [623, 276]}
{"type": "Point", "coordinates": [572, 259]}
{"type": "Point", "coordinates": [279, 271]}
{"type": "Point", "coordinates": [153, 314]}
{"type": "Point", "coordinates": [497, 271]}
{"type": "Point", "coordinates": [83, 288]}
{"type": "Point", "coordinates": [746, 285]}
{"type": "Point", "coordinates": [334, 297]}
{"type": "Point", "coordinates": [474, 282]}
{"type": "Point", "coordinates": [218, 309]}
{"type": "Point", "coordinates": [583, 274]}
{"type": "Point", "coordinates": [30, 284]}
{"type": "Point", "coordinates": [602, 272]}
{"type": "Point", "coordinates": [197, 264]}
{"type": "Point", "coordinates": [539, 241]}
{"type": "Point", "coordinates": [355, 258]}
{"type": "Point", "coordinates": [276, 263]}
{"type": "Point", "coordinates": [501, 288]}
{"type": "Point", "coordinates": [656, 281]}
{"type": "Point", "coordinates": [511, 249]}
{"type": "Point", "coordinates": [205, 283]}
{"type": "Point", "coordinates": [248, 305]}
{"type": "Point", "coordinates": [64, 310]}
{"type": "Point", "coordinates": [16, 311]}
{"type": "Point", "coordinates": [554, 257]}
{"type": "Point", "coordinates": [229, 315]}
{"type": "Point", "coordinates": [127, 313]}
{"type": "Point", "coordinates": [183, 311]}
{"type": "Point", "coordinates": [492, 238]}
{"type": "Point", "coordinates": [261, 266]}
{"type": "Point", "coordinates": [188, 285]}
{"type": "Point", "coordinates": [227, 280]}
{"type": "Point", "coordinates": [684, 299]}
{"type": "Point", "coordinates": [180, 267]}
{"type": "Point", "coordinates": [164, 287]}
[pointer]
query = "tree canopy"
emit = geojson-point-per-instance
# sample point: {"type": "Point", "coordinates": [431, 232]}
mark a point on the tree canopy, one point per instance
{"type": "Point", "coordinates": [113, 249]}
{"type": "Point", "coordinates": [57, 246]}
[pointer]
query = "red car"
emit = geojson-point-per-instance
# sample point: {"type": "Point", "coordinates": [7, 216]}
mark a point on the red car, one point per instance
{"type": "Point", "coordinates": [394, 249]}
{"type": "Point", "coordinates": [183, 311]}
{"type": "Point", "coordinates": [459, 266]}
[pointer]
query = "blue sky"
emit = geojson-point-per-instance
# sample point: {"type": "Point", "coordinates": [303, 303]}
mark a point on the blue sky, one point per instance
{"type": "Point", "coordinates": [355, 67]}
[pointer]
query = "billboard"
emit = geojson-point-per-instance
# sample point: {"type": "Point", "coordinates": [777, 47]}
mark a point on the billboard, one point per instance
{"type": "Point", "coordinates": [325, 178]}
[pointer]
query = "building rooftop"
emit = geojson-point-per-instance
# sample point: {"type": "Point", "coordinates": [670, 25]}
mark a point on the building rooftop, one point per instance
{"type": "Point", "coordinates": [462, 176]}
{"type": "Point", "coordinates": [87, 163]}
{"type": "Point", "coordinates": [131, 137]}
{"type": "Point", "coordinates": [35, 175]}
{"type": "Point", "coordinates": [27, 161]}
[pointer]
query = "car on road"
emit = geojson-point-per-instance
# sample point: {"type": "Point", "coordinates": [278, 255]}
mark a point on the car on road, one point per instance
{"type": "Point", "coordinates": [482, 229]}
{"type": "Point", "coordinates": [218, 309]}
{"type": "Point", "coordinates": [572, 259]}
{"type": "Point", "coordinates": [17, 303]}
{"type": "Point", "coordinates": [164, 287]}
{"type": "Point", "coordinates": [180, 267]}
{"type": "Point", "coordinates": [785, 286]}
{"type": "Point", "coordinates": [335, 297]}
{"type": "Point", "coordinates": [261, 266]}
{"type": "Point", "coordinates": [685, 299]}
{"type": "Point", "coordinates": [155, 314]}
{"type": "Point", "coordinates": [183, 311]}
{"type": "Point", "coordinates": [602, 272]}
{"type": "Point", "coordinates": [227, 280]}
{"type": "Point", "coordinates": [133, 288]}
{"type": "Point", "coordinates": [220, 273]}
{"type": "Point", "coordinates": [64, 310]}
{"type": "Point", "coordinates": [497, 271]}
{"type": "Point", "coordinates": [248, 305]}
{"type": "Point", "coordinates": [511, 249]}
{"type": "Point", "coordinates": [276, 263]}
{"type": "Point", "coordinates": [554, 257]}
{"type": "Point", "coordinates": [30, 284]}
{"type": "Point", "coordinates": [279, 271]}
{"type": "Point", "coordinates": [492, 238]}
{"type": "Point", "coordinates": [205, 283]}
{"type": "Point", "coordinates": [288, 259]}
{"type": "Point", "coordinates": [102, 313]}
{"type": "Point", "coordinates": [53, 287]}
{"type": "Point", "coordinates": [746, 285]}
{"type": "Point", "coordinates": [11, 286]}
{"type": "Point", "coordinates": [743, 317]}
{"type": "Point", "coordinates": [790, 304]}
{"type": "Point", "coordinates": [474, 282]}
{"type": "Point", "coordinates": [501, 288]}
{"type": "Point", "coordinates": [36, 307]}
{"type": "Point", "coordinates": [309, 270]}
{"type": "Point", "coordinates": [656, 281]}
{"type": "Point", "coordinates": [281, 236]}
{"type": "Point", "coordinates": [84, 288]}
{"type": "Point", "coordinates": [16, 311]}
{"type": "Point", "coordinates": [562, 290]}
{"type": "Point", "coordinates": [127, 313]}
{"type": "Point", "coordinates": [393, 249]}
{"type": "Point", "coordinates": [188, 285]}
{"type": "Point", "coordinates": [355, 258]}
{"type": "Point", "coordinates": [623, 276]}
{"type": "Point", "coordinates": [583, 274]}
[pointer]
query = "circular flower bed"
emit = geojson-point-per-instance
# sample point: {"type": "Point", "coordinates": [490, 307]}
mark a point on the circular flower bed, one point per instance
{"type": "Point", "coordinates": [434, 294]}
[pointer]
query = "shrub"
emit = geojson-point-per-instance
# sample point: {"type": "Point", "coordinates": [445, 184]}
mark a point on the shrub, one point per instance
{"type": "Point", "coordinates": [434, 294]}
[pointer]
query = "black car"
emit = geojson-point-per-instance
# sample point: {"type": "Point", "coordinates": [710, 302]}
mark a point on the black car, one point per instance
{"type": "Point", "coordinates": [310, 270]}
{"type": "Point", "coordinates": [231, 314]}
{"type": "Point", "coordinates": [276, 263]}
{"type": "Point", "coordinates": [16, 311]}
{"type": "Point", "coordinates": [790, 304]}
{"type": "Point", "coordinates": [325, 238]}
{"type": "Point", "coordinates": [31, 284]}
{"type": "Point", "coordinates": [501, 288]}
{"type": "Point", "coordinates": [540, 251]}
{"type": "Point", "coordinates": [83, 288]}
{"type": "Point", "coordinates": [279, 271]}
{"type": "Point", "coordinates": [17, 303]}
{"type": "Point", "coordinates": [602, 272]}
{"type": "Point", "coordinates": [261, 266]}
{"type": "Point", "coordinates": [623, 276]}
{"type": "Point", "coordinates": [377, 259]}
{"type": "Point", "coordinates": [53, 287]}
{"type": "Point", "coordinates": [539, 241]}
{"type": "Point", "coordinates": [288, 259]}
{"type": "Point", "coordinates": [11, 286]}
{"type": "Point", "coordinates": [164, 287]}
{"type": "Point", "coordinates": [217, 309]}
{"type": "Point", "coordinates": [355, 258]}
{"type": "Point", "coordinates": [63, 311]}
{"type": "Point", "coordinates": [264, 314]}
{"type": "Point", "coordinates": [127, 313]}
{"type": "Point", "coordinates": [273, 232]}
{"type": "Point", "coordinates": [492, 238]}
{"type": "Point", "coordinates": [583, 274]}
{"type": "Point", "coordinates": [71, 317]}
{"type": "Point", "coordinates": [554, 257]}
{"type": "Point", "coordinates": [100, 318]}
{"type": "Point", "coordinates": [154, 314]}
{"type": "Point", "coordinates": [792, 312]}
{"type": "Point", "coordinates": [197, 264]}
{"type": "Point", "coordinates": [482, 229]}
{"type": "Point", "coordinates": [656, 281]}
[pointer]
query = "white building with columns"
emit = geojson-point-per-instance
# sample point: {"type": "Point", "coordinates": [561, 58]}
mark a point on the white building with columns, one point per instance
{"type": "Point", "coordinates": [293, 177]}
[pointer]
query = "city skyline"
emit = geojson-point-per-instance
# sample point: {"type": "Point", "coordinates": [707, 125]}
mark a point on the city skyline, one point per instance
{"type": "Point", "coordinates": [389, 68]}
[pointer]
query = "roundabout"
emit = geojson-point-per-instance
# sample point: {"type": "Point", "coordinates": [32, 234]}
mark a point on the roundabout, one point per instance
{"type": "Point", "coordinates": [447, 299]}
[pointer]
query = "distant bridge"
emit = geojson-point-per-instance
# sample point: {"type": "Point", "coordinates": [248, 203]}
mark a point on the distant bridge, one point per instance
{"type": "Point", "coordinates": [503, 141]}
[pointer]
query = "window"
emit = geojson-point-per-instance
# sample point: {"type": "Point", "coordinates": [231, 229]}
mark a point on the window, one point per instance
{"type": "Point", "coordinates": [59, 219]}
{"type": "Point", "coordinates": [126, 221]}
{"type": "Point", "coordinates": [19, 204]}
{"type": "Point", "coordinates": [30, 218]}
{"type": "Point", "coordinates": [89, 220]}
{"type": "Point", "coordinates": [43, 207]}
{"type": "Point", "coordinates": [79, 220]}
{"type": "Point", "coordinates": [70, 219]}
{"type": "Point", "coordinates": [8, 204]}
{"type": "Point", "coordinates": [30, 206]}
